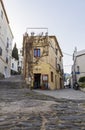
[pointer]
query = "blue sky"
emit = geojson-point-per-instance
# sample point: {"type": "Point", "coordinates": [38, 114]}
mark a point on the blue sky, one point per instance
{"type": "Point", "coordinates": [64, 18]}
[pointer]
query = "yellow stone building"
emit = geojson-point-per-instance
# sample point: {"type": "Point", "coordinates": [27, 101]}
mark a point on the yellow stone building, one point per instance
{"type": "Point", "coordinates": [42, 62]}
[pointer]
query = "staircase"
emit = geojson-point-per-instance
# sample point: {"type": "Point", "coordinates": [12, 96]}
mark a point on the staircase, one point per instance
{"type": "Point", "coordinates": [14, 82]}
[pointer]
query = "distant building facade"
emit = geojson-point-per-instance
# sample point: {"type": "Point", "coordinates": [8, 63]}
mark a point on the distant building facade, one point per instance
{"type": "Point", "coordinates": [17, 65]}
{"type": "Point", "coordinates": [14, 66]}
{"type": "Point", "coordinates": [20, 61]}
{"type": "Point", "coordinates": [78, 68]}
{"type": "Point", "coordinates": [6, 38]}
{"type": "Point", "coordinates": [46, 59]}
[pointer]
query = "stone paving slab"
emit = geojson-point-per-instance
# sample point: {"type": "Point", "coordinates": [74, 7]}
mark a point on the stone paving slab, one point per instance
{"type": "Point", "coordinates": [67, 93]}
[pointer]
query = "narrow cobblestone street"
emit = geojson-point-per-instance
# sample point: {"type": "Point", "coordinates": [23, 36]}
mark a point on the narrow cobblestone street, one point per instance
{"type": "Point", "coordinates": [23, 109]}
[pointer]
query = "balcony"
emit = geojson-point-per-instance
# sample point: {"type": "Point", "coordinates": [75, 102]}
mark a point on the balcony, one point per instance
{"type": "Point", "coordinates": [58, 67]}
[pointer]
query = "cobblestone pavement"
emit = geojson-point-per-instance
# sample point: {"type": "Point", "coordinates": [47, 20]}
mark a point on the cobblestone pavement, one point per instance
{"type": "Point", "coordinates": [23, 109]}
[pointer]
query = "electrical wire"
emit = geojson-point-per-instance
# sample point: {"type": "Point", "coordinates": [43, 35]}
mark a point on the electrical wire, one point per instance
{"type": "Point", "coordinates": [67, 54]}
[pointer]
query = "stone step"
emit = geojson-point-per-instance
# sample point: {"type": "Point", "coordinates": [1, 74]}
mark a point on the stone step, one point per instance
{"type": "Point", "coordinates": [12, 84]}
{"type": "Point", "coordinates": [15, 82]}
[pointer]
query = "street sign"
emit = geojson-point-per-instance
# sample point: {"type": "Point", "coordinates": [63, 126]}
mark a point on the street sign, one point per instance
{"type": "Point", "coordinates": [77, 72]}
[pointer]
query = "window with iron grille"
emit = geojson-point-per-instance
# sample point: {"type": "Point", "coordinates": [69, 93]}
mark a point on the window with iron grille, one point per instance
{"type": "Point", "coordinates": [36, 52]}
{"type": "Point", "coordinates": [12, 65]}
{"type": "Point", "coordinates": [7, 42]}
{"type": "Point", "coordinates": [0, 51]}
{"type": "Point", "coordinates": [60, 58]}
{"type": "Point", "coordinates": [7, 60]}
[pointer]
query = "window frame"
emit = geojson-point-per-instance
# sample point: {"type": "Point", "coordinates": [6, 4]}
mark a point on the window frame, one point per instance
{"type": "Point", "coordinates": [37, 52]}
